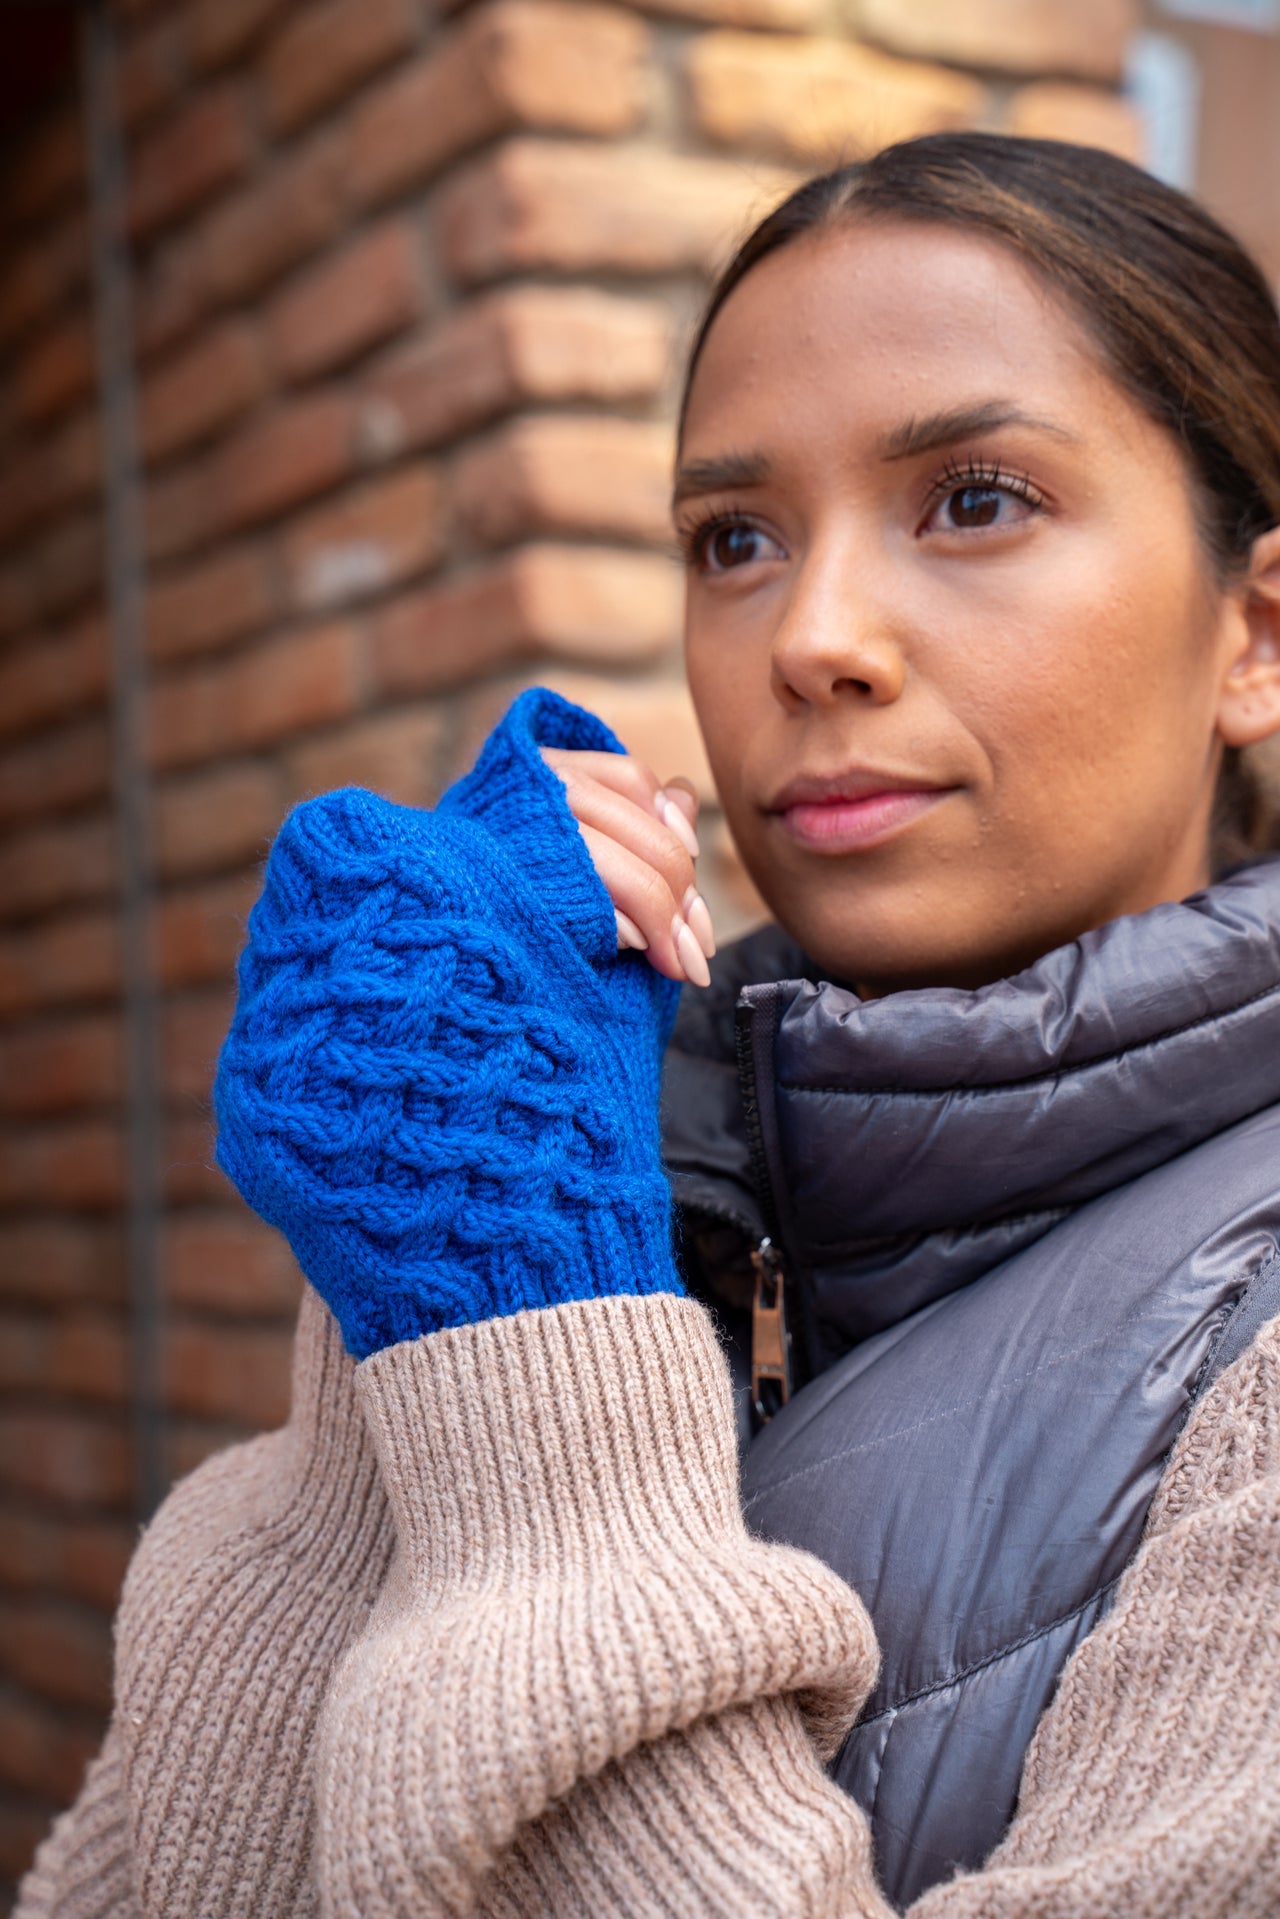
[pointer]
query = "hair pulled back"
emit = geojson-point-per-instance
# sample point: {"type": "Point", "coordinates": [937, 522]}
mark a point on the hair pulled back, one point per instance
{"type": "Point", "coordinates": [1181, 314]}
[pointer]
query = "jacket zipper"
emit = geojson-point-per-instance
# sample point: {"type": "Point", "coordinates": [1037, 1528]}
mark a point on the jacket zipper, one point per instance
{"type": "Point", "coordinates": [771, 1372]}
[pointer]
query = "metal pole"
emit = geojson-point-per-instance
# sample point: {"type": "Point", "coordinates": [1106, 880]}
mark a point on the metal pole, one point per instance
{"type": "Point", "coordinates": [125, 571]}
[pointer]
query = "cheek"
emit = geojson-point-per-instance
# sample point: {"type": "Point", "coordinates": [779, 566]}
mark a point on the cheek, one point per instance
{"type": "Point", "coordinates": [1097, 696]}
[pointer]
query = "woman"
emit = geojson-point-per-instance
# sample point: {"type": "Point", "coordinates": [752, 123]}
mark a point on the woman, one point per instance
{"type": "Point", "coordinates": [978, 488]}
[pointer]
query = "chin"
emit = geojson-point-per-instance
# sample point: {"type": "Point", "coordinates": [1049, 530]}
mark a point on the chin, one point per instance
{"type": "Point", "coordinates": [875, 951]}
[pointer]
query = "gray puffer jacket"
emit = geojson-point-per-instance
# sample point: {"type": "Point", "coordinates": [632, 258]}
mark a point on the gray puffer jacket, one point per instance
{"type": "Point", "coordinates": [1020, 1229]}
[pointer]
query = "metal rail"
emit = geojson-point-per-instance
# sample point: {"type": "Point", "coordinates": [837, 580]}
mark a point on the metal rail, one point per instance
{"type": "Point", "coordinates": [126, 610]}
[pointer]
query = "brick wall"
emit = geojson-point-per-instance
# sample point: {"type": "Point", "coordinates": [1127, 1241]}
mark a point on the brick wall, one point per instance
{"type": "Point", "coordinates": [411, 290]}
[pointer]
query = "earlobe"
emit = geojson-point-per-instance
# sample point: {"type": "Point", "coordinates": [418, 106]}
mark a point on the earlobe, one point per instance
{"type": "Point", "coordinates": [1249, 702]}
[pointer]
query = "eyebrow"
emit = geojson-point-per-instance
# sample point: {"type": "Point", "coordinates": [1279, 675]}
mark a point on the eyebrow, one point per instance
{"type": "Point", "coordinates": [720, 476]}
{"type": "Point", "coordinates": [961, 423]}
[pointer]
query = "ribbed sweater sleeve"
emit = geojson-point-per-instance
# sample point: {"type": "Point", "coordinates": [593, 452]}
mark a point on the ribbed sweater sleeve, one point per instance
{"type": "Point", "coordinates": [573, 1590]}
{"type": "Point", "coordinates": [586, 1691]}
{"type": "Point", "coordinates": [84, 1869]}
{"type": "Point", "coordinates": [254, 1576]}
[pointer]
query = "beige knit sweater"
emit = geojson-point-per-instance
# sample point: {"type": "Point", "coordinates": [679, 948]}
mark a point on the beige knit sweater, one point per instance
{"type": "Point", "coordinates": [481, 1631]}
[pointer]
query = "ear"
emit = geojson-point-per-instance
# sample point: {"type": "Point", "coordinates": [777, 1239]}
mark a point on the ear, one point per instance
{"type": "Point", "coordinates": [1249, 700]}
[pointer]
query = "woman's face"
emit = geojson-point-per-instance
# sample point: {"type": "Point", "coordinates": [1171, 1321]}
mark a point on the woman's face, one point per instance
{"type": "Point", "coordinates": [952, 636]}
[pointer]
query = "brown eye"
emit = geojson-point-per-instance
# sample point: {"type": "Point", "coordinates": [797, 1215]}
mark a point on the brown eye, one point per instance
{"type": "Point", "coordinates": [974, 506]}
{"type": "Point", "coordinates": [732, 545]}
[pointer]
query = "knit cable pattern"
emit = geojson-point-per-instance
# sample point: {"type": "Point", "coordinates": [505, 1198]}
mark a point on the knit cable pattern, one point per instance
{"type": "Point", "coordinates": [441, 1078]}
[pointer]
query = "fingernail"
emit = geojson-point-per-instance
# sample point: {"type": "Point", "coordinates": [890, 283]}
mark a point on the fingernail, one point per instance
{"type": "Point", "coordinates": [698, 918]}
{"type": "Point", "coordinates": [671, 816]}
{"type": "Point", "coordinates": [629, 933]}
{"type": "Point", "coordinates": [692, 957]}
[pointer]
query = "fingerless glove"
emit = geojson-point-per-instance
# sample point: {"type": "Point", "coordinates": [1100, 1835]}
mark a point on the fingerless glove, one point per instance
{"type": "Point", "coordinates": [441, 1077]}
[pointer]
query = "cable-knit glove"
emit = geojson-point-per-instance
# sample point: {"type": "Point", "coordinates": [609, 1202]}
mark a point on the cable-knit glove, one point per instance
{"type": "Point", "coordinates": [441, 1078]}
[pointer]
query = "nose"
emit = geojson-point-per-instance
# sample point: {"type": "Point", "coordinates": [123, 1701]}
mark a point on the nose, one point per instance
{"type": "Point", "coordinates": [838, 637]}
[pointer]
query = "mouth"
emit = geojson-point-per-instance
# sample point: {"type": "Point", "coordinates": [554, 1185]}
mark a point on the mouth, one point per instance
{"type": "Point", "coordinates": [852, 810]}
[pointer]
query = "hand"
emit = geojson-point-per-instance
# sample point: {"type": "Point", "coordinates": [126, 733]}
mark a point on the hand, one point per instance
{"type": "Point", "coordinates": [642, 841]}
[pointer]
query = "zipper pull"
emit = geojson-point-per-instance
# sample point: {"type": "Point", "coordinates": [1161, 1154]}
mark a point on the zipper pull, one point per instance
{"type": "Point", "coordinates": [770, 1340]}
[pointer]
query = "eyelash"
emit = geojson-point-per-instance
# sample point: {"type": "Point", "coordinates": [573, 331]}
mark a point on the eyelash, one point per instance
{"type": "Point", "coordinates": [988, 475]}
{"type": "Point", "coordinates": [693, 537]}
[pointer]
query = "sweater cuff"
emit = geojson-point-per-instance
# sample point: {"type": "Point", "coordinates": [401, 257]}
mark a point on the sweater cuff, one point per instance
{"type": "Point", "coordinates": [589, 1451]}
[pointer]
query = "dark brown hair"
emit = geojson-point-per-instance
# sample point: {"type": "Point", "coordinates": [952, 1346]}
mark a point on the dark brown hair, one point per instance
{"type": "Point", "coordinates": [1182, 315]}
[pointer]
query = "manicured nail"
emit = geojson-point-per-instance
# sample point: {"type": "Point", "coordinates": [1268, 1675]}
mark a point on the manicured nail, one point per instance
{"type": "Point", "coordinates": [698, 918]}
{"type": "Point", "coordinates": [629, 933]}
{"type": "Point", "coordinates": [692, 957]}
{"type": "Point", "coordinates": [670, 815]}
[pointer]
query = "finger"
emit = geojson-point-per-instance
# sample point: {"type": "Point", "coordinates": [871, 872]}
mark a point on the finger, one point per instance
{"type": "Point", "coordinates": [652, 840]}
{"type": "Point", "coordinates": [642, 896]}
{"type": "Point", "coordinates": [634, 781]}
{"type": "Point", "coordinates": [685, 794]}
{"type": "Point", "coordinates": [618, 771]}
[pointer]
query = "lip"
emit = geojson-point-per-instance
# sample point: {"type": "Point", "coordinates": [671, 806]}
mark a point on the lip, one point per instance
{"type": "Point", "coordinates": [843, 812]}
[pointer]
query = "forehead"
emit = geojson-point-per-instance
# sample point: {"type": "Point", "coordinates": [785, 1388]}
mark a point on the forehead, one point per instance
{"type": "Point", "coordinates": [857, 328]}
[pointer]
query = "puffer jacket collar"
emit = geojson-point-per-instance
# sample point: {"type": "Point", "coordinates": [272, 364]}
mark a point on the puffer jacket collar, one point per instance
{"type": "Point", "coordinates": [898, 1149]}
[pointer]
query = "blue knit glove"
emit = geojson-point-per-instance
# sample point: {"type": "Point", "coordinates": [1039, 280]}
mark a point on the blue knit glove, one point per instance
{"type": "Point", "coordinates": [441, 1078]}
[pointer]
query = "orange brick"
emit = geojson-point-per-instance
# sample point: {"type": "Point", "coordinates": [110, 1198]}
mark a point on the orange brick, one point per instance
{"type": "Point", "coordinates": [228, 1263]}
{"type": "Point", "coordinates": [47, 168]}
{"type": "Point", "coordinates": [556, 475]}
{"type": "Point", "coordinates": [180, 511]}
{"type": "Point", "coordinates": [300, 451]}
{"type": "Point", "coordinates": [64, 961]}
{"type": "Point", "coordinates": [1089, 37]}
{"type": "Point", "coordinates": [302, 680]}
{"type": "Point", "coordinates": [40, 274]}
{"type": "Point", "coordinates": [84, 1558]}
{"type": "Point", "coordinates": [385, 533]}
{"type": "Point", "coordinates": [369, 291]}
{"type": "Point", "coordinates": [581, 602]}
{"type": "Point", "coordinates": [191, 1175]}
{"type": "Point", "coordinates": [223, 30]}
{"type": "Point", "coordinates": [1088, 116]}
{"type": "Point", "coordinates": [55, 865]}
{"type": "Point", "coordinates": [522, 345]}
{"type": "Point", "coordinates": [220, 1372]}
{"type": "Point", "coordinates": [41, 1752]}
{"type": "Point", "coordinates": [211, 603]}
{"type": "Point", "coordinates": [55, 372]}
{"type": "Point", "coordinates": [77, 1165]}
{"type": "Point", "coordinates": [207, 386]}
{"type": "Point", "coordinates": [70, 470]}
{"type": "Point", "coordinates": [54, 1068]}
{"type": "Point", "coordinates": [54, 770]}
{"type": "Point", "coordinates": [260, 233]}
{"type": "Point", "coordinates": [192, 1030]}
{"type": "Point", "coordinates": [198, 932]}
{"type": "Point", "coordinates": [89, 1358]}
{"type": "Point", "coordinates": [60, 1651]}
{"type": "Point", "coordinates": [65, 568]}
{"type": "Point", "coordinates": [211, 821]}
{"type": "Point", "coordinates": [514, 63]}
{"type": "Point", "coordinates": [52, 1262]}
{"type": "Point", "coordinates": [189, 160]}
{"type": "Point", "coordinates": [820, 100]}
{"type": "Point", "coordinates": [542, 205]}
{"type": "Point", "coordinates": [392, 753]}
{"type": "Point", "coordinates": [324, 53]}
{"type": "Point", "coordinates": [789, 15]}
{"type": "Point", "coordinates": [149, 73]}
{"type": "Point", "coordinates": [171, 295]}
{"type": "Point", "coordinates": [78, 1458]}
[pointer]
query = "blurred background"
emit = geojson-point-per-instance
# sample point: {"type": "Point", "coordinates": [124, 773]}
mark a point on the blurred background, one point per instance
{"type": "Point", "coordinates": [340, 343]}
